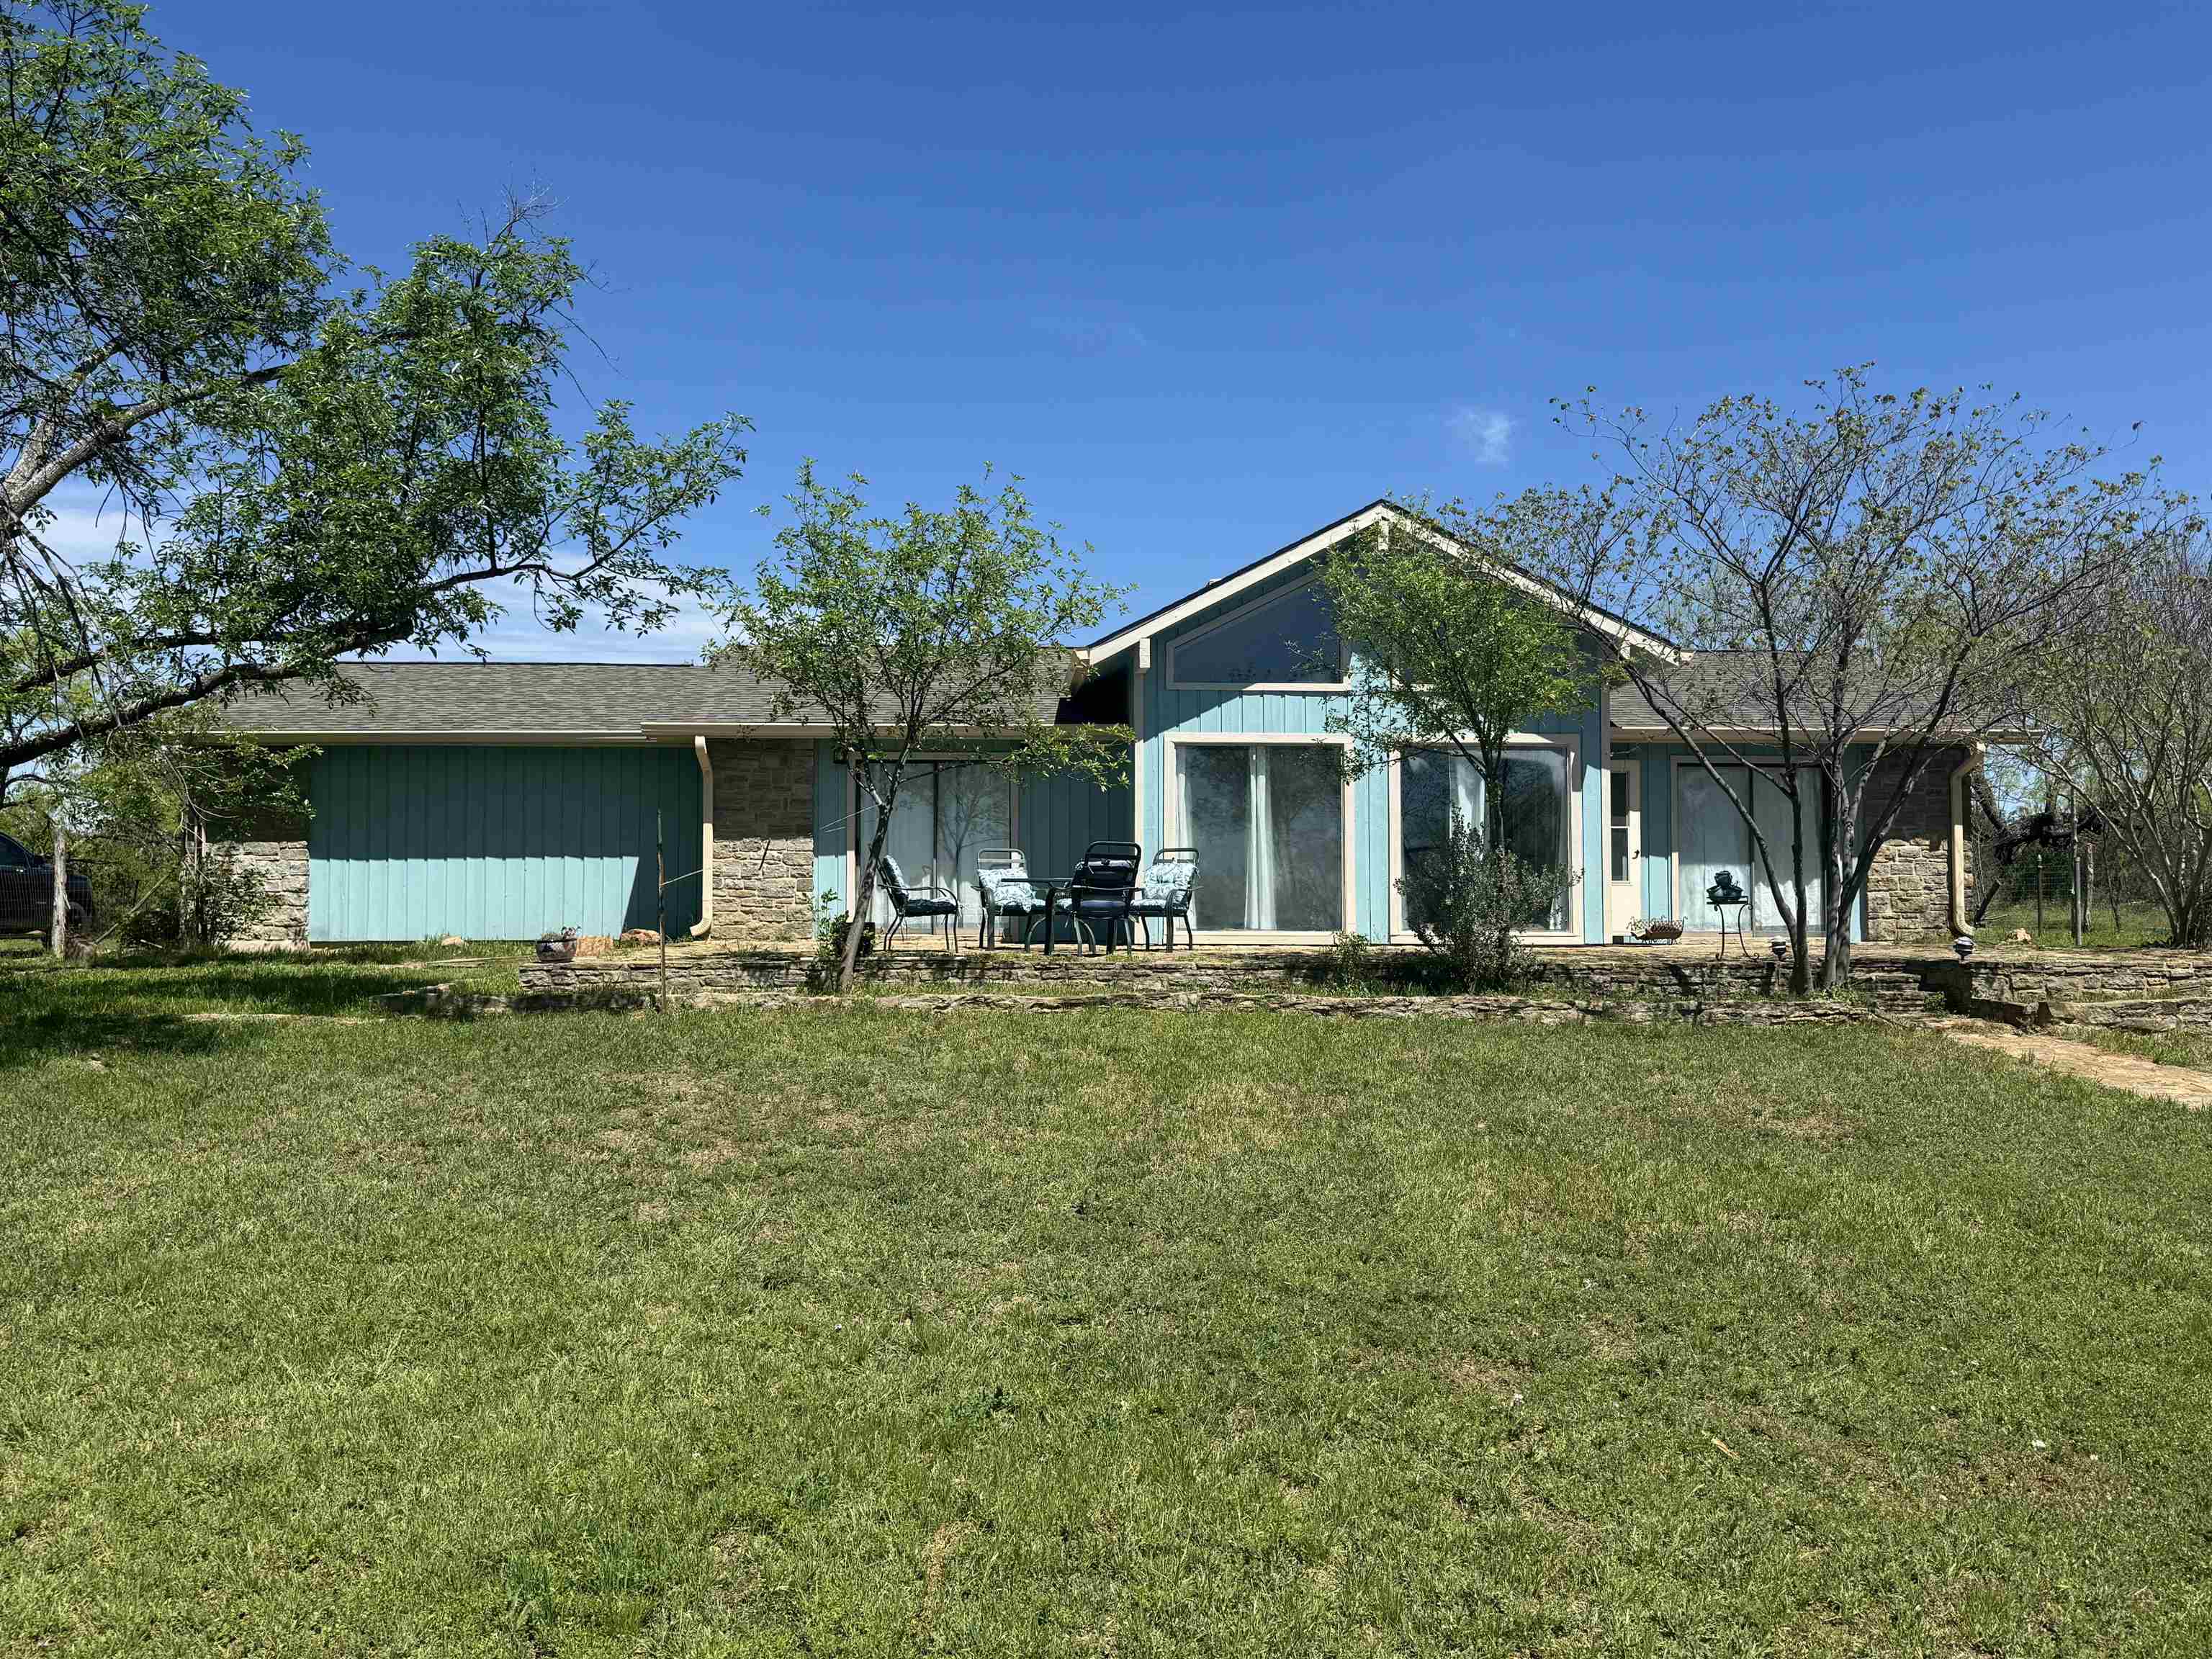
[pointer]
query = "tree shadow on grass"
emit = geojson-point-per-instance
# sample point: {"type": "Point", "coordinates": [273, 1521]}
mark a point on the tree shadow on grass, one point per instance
{"type": "Point", "coordinates": [56, 1029]}
{"type": "Point", "coordinates": [186, 1008]}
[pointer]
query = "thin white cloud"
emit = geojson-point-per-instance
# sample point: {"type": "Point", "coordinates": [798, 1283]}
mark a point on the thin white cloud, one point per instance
{"type": "Point", "coordinates": [1484, 435]}
{"type": "Point", "coordinates": [516, 636]}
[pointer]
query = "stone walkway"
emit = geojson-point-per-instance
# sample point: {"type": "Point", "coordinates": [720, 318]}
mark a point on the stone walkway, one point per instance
{"type": "Point", "coordinates": [2177, 1083]}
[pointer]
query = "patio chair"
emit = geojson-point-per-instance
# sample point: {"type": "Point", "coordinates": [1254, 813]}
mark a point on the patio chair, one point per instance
{"type": "Point", "coordinates": [1099, 891]}
{"type": "Point", "coordinates": [1002, 878]}
{"type": "Point", "coordinates": [1166, 892]}
{"type": "Point", "coordinates": [929, 902]}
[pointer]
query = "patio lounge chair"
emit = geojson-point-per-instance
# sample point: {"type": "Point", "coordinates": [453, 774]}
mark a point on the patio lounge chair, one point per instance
{"type": "Point", "coordinates": [1101, 888]}
{"type": "Point", "coordinates": [929, 902]}
{"type": "Point", "coordinates": [1166, 892]}
{"type": "Point", "coordinates": [1002, 876]}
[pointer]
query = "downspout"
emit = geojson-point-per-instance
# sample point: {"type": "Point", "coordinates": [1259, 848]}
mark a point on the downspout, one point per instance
{"type": "Point", "coordinates": [1962, 925]}
{"type": "Point", "coordinates": [705, 925]}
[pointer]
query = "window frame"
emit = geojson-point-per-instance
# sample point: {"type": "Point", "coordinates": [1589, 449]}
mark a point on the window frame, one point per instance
{"type": "Point", "coordinates": [1178, 833]}
{"type": "Point", "coordinates": [1568, 746]}
{"type": "Point", "coordinates": [1175, 683]}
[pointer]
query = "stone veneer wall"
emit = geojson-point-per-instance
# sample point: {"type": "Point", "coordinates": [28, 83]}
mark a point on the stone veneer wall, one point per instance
{"type": "Point", "coordinates": [1909, 886]}
{"type": "Point", "coordinates": [283, 864]}
{"type": "Point", "coordinates": [764, 839]}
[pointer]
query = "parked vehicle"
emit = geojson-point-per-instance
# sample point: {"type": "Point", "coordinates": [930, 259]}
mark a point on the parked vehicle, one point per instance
{"type": "Point", "coordinates": [26, 891]}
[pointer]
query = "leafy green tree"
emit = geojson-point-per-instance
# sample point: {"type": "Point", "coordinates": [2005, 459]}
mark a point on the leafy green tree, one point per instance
{"type": "Point", "coordinates": [299, 469]}
{"type": "Point", "coordinates": [924, 632]}
{"type": "Point", "coordinates": [1454, 649]}
{"type": "Point", "coordinates": [1866, 575]}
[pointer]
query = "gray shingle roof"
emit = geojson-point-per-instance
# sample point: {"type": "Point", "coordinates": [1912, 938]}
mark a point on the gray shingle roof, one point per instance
{"type": "Point", "coordinates": [544, 698]}
{"type": "Point", "coordinates": [1729, 689]}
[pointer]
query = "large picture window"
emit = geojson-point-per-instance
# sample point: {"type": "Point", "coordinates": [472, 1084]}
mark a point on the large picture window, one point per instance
{"type": "Point", "coordinates": [1289, 639]}
{"type": "Point", "coordinates": [1538, 812]}
{"type": "Point", "coordinates": [947, 812]}
{"type": "Point", "coordinates": [1714, 837]}
{"type": "Point", "coordinates": [1268, 820]}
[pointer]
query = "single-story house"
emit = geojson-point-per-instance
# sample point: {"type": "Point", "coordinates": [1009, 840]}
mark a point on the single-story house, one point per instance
{"type": "Point", "coordinates": [504, 799]}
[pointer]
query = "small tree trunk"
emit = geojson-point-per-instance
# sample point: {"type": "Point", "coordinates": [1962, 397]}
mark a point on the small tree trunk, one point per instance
{"type": "Point", "coordinates": [61, 889]}
{"type": "Point", "coordinates": [1801, 924]}
{"type": "Point", "coordinates": [1835, 901]}
{"type": "Point", "coordinates": [847, 968]}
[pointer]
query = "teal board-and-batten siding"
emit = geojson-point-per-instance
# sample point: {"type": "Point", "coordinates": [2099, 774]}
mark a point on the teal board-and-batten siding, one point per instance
{"type": "Point", "coordinates": [497, 841]}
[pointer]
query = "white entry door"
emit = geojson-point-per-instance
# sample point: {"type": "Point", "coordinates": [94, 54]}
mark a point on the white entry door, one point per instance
{"type": "Point", "coordinates": [1624, 847]}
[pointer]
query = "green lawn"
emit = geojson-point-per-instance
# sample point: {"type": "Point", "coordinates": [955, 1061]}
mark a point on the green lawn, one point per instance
{"type": "Point", "coordinates": [835, 1330]}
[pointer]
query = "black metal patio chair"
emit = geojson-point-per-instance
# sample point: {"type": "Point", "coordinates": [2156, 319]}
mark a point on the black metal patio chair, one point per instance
{"type": "Point", "coordinates": [931, 902]}
{"type": "Point", "coordinates": [1002, 878]}
{"type": "Point", "coordinates": [1166, 892]}
{"type": "Point", "coordinates": [1100, 890]}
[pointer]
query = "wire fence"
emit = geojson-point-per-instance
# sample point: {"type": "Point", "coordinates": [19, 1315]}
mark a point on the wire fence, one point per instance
{"type": "Point", "coordinates": [2035, 896]}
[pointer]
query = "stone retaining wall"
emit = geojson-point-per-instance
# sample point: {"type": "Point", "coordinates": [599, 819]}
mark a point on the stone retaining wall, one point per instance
{"type": "Point", "coordinates": [1611, 975]}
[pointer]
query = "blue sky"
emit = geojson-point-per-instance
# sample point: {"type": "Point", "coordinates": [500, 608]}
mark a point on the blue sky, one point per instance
{"type": "Point", "coordinates": [1209, 280]}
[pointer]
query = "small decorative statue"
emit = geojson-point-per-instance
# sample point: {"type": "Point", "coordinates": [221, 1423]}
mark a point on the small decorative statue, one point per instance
{"type": "Point", "coordinates": [1724, 890]}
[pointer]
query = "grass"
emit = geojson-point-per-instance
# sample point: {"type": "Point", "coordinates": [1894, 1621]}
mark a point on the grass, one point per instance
{"type": "Point", "coordinates": [836, 1329]}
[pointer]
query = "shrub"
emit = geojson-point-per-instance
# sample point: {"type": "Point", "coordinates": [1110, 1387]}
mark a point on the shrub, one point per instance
{"type": "Point", "coordinates": [1466, 899]}
{"type": "Point", "coordinates": [201, 902]}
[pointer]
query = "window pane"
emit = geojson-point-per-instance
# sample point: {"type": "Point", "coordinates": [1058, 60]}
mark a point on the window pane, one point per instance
{"type": "Point", "coordinates": [947, 813]}
{"type": "Point", "coordinates": [1291, 639]}
{"type": "Point", "coordinates": [1771, 807]}
{"type": "Point", "coordinates": [1268, 820]}
{"type": "Point", "coordinates": [1619, 852]}
{"type": "Point", "coordinates": [1536, 817]}
{"type": "Point", "coordinates": [1215, 783]}
{"type": "Point", "coordinates": [1713, 839]}
{"type": "Point", "coordinates": [1434, 782]}
{"type": "Point", "coordinates": [1305, 811]}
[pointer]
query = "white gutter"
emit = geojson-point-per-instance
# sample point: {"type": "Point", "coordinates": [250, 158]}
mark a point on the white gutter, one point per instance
{"type": "Point", "coordinates": [1961, 923]}
{"type": "Point", "coordinates": [705, 925]}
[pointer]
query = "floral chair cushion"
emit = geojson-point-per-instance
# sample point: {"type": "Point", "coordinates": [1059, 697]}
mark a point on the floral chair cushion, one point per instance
{"type": "Point", "coordinates": [1166, 886]}
{"type": "Point", "coordinates": [1008, 890]}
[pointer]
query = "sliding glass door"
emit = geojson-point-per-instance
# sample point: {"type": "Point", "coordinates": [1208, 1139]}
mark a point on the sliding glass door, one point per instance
{"type": "Point", "coordinates": [1712, 836]}
{"type": "Point", "coordinates": [1267, 821]}
{"type": "Point", "coordinates": [1434, 784]}
{"type": "Point", "coordinates": [947, 812]}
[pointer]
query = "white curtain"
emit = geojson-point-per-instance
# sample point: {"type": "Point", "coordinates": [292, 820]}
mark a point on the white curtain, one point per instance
{"type": "Point", "coordinates": [1713, 838]}
{"type": "Point", "coordinates": [1259, 849]}
{"type": "Point", "coordinates": [947, 813]}
{"type": "Point", "coordinates": [1771, 807]}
